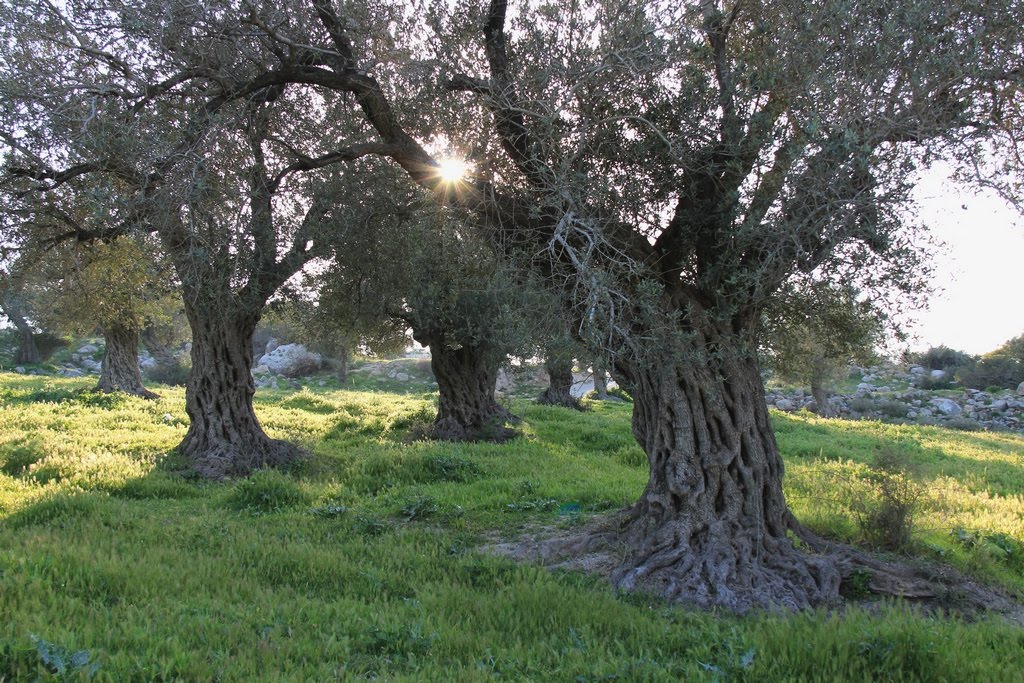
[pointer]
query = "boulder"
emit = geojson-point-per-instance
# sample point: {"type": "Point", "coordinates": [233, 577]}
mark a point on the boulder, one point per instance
{"type": "Point", "coordinates": [73, 372]}
{"type": "Point", "coordinates": [784, 404]}
{"type": "Point", "coordinates": [947, 407]}
{"type": "Point", "coordinates": [938, 374]}
{"type": "Point", "coordinates": [88, 349]}
{"type": "Point", "coordinates": [916, 370]}
{"type": "Point", "coordinates": [1020, 389]}
{"type": "Point", "coordinates": [999, 405]}
{"type": "Point", "coordinates": [291, 360]}
{"type": "Point", "coordinates": [20, 370]}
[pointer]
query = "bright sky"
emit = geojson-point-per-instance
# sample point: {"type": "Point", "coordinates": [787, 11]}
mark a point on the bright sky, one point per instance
{"type": "Point", "coordinates": [980, 270]}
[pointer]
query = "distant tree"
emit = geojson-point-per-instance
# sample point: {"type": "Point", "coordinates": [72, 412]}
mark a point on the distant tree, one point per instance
{"type": "Point", "coordinates": [116, 287]}
{"type": "Point", "coordinates": [12, 305]}
{"type": "Point", "coordinates": [941, 358]}
{"type": "Point", "coordinates": [1003, 368]}
{"type": "Point", "coordinates": [422, 269]}
{"type": "Point", "coordinates": [815, 330]}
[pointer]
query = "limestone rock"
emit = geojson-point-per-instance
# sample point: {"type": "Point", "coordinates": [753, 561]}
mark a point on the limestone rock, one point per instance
{"type": "Point", "coordinates": [947, 407]}
{"type": "Point", "coordinates": [291, 360]}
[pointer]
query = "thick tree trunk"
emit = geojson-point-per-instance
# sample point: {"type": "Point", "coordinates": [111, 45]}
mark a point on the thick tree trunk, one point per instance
{"type": "Point", "coordinates": [559, 390]}
{"type": "Point", "coordinates": [710, 528]}
{"type": "Point", "coordinates": [27, 351]}
{"type": "Point", "coordinates": [341, 367]}
{"type": "Point", "coordinates": [120, 366]}
{"type": "Point", "coordinates": [822, 405]}
{"type": "Point", "coordinates": [600, 382]}
{"type": "Point", "coordinates": [224, 438]}
{"type": "Point", "coordinates": [467, 409]}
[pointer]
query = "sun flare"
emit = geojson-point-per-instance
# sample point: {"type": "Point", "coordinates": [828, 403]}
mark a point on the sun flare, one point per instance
{"type": "Point", "coordinates": [453, 170]}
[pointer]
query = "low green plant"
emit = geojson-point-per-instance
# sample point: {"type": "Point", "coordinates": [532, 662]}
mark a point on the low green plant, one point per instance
{"type": "Point", "coordinates": [264, 492]}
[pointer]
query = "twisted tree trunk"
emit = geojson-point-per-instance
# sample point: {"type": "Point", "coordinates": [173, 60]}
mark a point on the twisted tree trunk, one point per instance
{"type": "Point", "coordinates": [467, 409]}
{"type": "Point", "coordinates": [559, 390]}
{"type": "Point", "coordinates": [710, 527]}
{"type": "Point", "coordinates": [120, 366]}
{"type": "Point", "coordinates": [27, 351]}
{"type": "Point", "coordinates": [224, 438]}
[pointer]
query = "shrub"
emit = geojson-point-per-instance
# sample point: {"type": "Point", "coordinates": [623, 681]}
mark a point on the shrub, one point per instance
{"type": "Point", "coordinates": [886, 516]}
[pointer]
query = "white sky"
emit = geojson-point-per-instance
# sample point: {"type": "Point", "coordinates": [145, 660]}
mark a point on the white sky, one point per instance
{"type": "Point", "coordinates": [981, 270]}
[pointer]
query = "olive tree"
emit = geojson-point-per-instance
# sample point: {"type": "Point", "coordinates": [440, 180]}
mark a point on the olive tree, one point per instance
{"type": "Point", "coordinates": [421, 268]}
{"type": "Point", "coordinates": [169, 104]}
{"type": "Point", "coordinates": [116, 287]}
{"type": "Point", "coordinates": [670, 167]}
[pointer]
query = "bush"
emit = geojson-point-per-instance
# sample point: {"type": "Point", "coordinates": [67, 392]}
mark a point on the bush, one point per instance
{"type": "Point", "coordinates": [886, 517]}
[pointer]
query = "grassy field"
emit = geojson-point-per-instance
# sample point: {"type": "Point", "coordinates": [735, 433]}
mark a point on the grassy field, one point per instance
{"type": "Point", "coordinates": [361, 563]}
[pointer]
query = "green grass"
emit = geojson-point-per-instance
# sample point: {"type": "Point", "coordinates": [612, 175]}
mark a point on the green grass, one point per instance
{"type": "Point", "coordinates": [360, 563]}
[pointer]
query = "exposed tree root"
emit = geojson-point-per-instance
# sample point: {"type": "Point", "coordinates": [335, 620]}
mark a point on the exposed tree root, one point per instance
{"type": "Point", "coordinates": [219, 461]}
{"type": "Point", "coordinates": [715, 576]}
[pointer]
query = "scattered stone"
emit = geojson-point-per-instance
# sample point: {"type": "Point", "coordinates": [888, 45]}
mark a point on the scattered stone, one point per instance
{"type": "Point", "coordinates": [73, 372]}
{"type": "Point", "coordinates": [88, 349]}
{"type": "Point", "coordinates": [167, 417]}
{"type": "Point", "coordinates": [20, 370]}
{"type": "Point", "coordinates": [401, 377]}
{"type": "Point", "coordinates": [1020, 389]}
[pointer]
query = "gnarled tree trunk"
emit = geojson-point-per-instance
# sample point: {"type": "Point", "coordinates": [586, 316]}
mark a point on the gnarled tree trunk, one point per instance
{"type": "Point", "coordinates": [120, 365]}
{"type": "Point", "coordinates": [467, 409]}
{"type": "Point", "coordinates": [224, 437]}
{"type": "Point", "coordinates": [710, 528]}
{"type": "Point", "coordinates": [27, 351]}
{"type": "Point", "coordinates": [559, 390]}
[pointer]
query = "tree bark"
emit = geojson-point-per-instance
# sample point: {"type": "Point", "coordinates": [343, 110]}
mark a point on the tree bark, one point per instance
{"type": "Point", "coordinates": [120, 365]}
{"type": "Point", "coordinates": [224, 438]}
{"type": "Point", "coordinates": [467, 409]}
{"type": "Point", "coordinates": [600, 381]}
{"type": "Point", "coordinates": [711, 525]}
{"type": "Point", "coordinates": [559, 390]}
{"type": "Point", "coordinates": [822, 405]}
{"type": "Point", "coordinates": [27, 351]}
{"type": "Point", "coordinates": [341, 367]}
